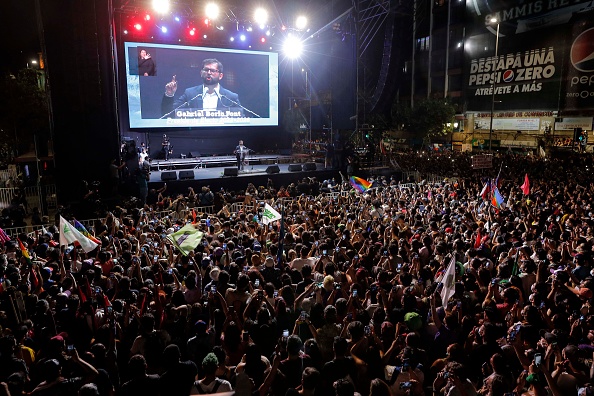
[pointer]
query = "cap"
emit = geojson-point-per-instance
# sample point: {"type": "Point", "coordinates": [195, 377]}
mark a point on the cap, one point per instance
{"type": "Point", "coordinates": [584, 292]}
{"type": "Point", "coordinates": [413, 321]}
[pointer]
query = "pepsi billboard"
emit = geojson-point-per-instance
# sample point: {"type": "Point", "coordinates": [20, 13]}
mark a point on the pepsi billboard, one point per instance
{"type": "Point", "coordinates": [545, 55]}
{"type": "Point", "coordinates": [579, 83]}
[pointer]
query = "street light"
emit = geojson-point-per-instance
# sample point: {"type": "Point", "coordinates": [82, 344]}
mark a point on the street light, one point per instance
{"type": "Point", "coordinates": [493, 20]}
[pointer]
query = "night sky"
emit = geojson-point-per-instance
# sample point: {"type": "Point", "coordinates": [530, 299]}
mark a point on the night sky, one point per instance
{"type": "Point", "coordinates": [19, 40]}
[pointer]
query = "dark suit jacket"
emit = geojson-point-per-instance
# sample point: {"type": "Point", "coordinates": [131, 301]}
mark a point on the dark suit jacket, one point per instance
{"type": "Point", "coordinates": [192, 98]}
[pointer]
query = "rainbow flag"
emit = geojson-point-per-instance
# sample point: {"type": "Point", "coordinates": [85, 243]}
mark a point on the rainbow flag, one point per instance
{"type": "Point", "coordinates": [359, 184]}
{"type": "Point", "coordinates": [3, 237]}
{"type": "Point", "coordinates": [81, 228]}
{"type": "Point", "coordinates": [25, 253]}
{"type": "Point", "coordinates": [497, 199]}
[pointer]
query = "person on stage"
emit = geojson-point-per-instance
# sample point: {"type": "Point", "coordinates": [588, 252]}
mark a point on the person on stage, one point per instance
{"type": "Point", "coordinates": [146, 64]}
{"type": "Point", "coordinates": [208, 96]}
{"type": "Point", "coordinates": [166, 147]}
{"type": "Point", "coordinates": [241, 154]}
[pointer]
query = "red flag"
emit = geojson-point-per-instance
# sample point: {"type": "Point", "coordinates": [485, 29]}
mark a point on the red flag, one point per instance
{"type": "Point", "coordinates": [477, 243]}
{"type": "Point", "coordinates": [193, 216]}
{"type": "Point", "coordinates": [106, 301]}
{"type": "Point", "coordinates": [34, 281]}
{"type": "Point", "coordinates": [82, 297]}
{"type": "Point", "coordinates": [526, 186]}
{"type": "Point", "coordinates": [486, 191]}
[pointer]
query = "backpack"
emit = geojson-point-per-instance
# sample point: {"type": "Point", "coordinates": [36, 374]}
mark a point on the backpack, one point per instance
{"type": "Point", "coordinates": [201, 391]}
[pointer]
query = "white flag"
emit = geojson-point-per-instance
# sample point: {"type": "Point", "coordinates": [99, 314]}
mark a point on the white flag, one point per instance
{"type": "Point", "coordinates": [69, 234]}
{"type": "Point", "coordinates": [449, 282]}
{"type": "Point", "coordinates": [269, 215]}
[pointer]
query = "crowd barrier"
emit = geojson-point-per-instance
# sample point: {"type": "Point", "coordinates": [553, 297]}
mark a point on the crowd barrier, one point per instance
{"type": "Point", "coordinates": [36, 196]}
{"type": "Point", "coordinates": [249, 205]}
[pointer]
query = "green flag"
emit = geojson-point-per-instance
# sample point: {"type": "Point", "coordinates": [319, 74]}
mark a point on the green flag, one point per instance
{"type": "Point", "coordinates": [186, 239]}
{"type": "Point", "coordinates": [269, 215]}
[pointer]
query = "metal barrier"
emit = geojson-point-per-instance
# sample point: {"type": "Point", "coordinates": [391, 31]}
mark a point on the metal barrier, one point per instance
{"type": "Point", "coordinates": [35, 196]}
{"type": "Point", "coordinates": [6, 174]}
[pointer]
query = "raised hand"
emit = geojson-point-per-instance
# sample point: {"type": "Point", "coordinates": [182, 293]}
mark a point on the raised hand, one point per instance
{"type": "Point", "coordinates": [171, 87]}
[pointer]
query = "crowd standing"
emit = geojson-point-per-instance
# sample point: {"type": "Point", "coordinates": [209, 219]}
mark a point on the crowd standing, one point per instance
{"type": "Point", "coordinates": [342, 298]}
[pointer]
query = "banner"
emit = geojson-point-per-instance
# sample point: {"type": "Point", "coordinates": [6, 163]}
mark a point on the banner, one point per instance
{"type": "Point", "coordinates": [544, 55]}
{"type": "Point", "coordinates": [570, 123]}
{"type": "Point", "coordinates": [508, 124]}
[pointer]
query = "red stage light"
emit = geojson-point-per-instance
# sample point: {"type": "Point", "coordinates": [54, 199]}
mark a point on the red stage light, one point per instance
{"type": "Point", "coordinates": [192, 32]}
{"type": "Point", "coordinates": [263, 39]}
{"type": "Point", "coordinates": [206, 21]}
{"type": "Point", "coordinates": [147, 17]}
{"type": "Point", "coordinates": [138, 26]}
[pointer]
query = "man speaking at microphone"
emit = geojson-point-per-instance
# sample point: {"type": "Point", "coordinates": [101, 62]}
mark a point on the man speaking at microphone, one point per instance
{"type": "Point", "coordinates": [208, 96]}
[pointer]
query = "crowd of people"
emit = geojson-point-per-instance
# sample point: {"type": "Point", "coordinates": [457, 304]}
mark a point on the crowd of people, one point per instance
{"type": "Point", "coordinates": [342, 296]}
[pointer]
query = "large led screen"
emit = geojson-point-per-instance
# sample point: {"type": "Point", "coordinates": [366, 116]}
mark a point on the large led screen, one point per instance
{"type": "Point", "coordinates": [181, 86]}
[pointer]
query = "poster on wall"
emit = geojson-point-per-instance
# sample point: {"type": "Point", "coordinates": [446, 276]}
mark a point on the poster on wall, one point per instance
{"type": "Point", "coordinates": [545, 55]}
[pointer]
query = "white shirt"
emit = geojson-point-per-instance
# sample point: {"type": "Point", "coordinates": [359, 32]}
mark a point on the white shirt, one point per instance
{"type": "Point", "coordinates": [225, 386]}
{"type": "Point", "coordinates": [210, 100]}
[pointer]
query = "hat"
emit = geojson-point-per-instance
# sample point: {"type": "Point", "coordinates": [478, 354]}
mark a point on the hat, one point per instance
{"type": "Point", "coordinates": [413, 321]}
{"type": "Point", "coordinates": [214, 274]}
{"type": "Point", "coordinates": [257, 247]}
{"type": "Point", "coordinates": [584, 292]}
{"type": "Point", "coordinates": [549, 337]}
{"type": "Point", "coordinates": [386, 326]}
{"type": "Point", "coordinates": [57, 338]}
{"type": "Point", "coordinates": [269, 262]}
{"type": "Point", "coordinates": [361, 272]}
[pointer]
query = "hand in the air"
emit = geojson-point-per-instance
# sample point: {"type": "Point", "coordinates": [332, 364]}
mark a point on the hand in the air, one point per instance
{"type": "Point", "coordinates": [171, 87]}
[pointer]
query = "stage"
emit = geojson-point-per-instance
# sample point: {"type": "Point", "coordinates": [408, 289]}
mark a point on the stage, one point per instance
{"type": "Point", "coordinates": [217, 172]}
{"type": "Point", "coordinates": [222, 160]}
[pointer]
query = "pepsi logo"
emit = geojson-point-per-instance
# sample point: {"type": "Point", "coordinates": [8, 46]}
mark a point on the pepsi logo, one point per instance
{"type": "Point", "coordinates": [508, 76]}
{"type": "Point", "coordinates": [582, 51]}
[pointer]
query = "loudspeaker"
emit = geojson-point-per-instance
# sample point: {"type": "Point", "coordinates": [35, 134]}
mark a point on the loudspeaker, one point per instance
{"type": "Point", "coordinates": [272, 169]}
{"type": "Point", "coordinates": [230, 172]}
{"type": "Point", "coordinates": [309, 166]}
{"type": "Point", "coordinates": [170, 175]}
{"type": "Point", "coordinates": [186, 174]}
{"type": "Point", "coordinates": [294, 167]}
{"type": "Point", "coordinates": [194, 154]}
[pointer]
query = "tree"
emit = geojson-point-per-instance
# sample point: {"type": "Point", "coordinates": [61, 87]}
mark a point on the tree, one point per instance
{"type": "Point", "coordinates": [430, 117]}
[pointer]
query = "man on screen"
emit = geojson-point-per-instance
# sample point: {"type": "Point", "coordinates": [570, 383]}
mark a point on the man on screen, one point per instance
{"type": "Point", "coordinates": [208, 96]}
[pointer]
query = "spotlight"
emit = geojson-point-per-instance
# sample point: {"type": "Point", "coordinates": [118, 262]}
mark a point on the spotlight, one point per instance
{"type": "Point", "coordinates": [301, 22]}
{"type": "Point", "coordinates": [147, 17]}
{"type": "Point", "coordinates": [242, 37]}
{"type": "Point", "coordinates": [268, 33]}
{"type": "Point", "coordinates": [206, 21]}
{"type": "Point", "coordinates": [138, 26]}
{"type": "Point", "coordinates": [212, 11]}
{"type": "Point", "coordinates": [292, 47]}
{"type": "Point", "coordinates": [260, 16]}
{"type": "Point", "coordinates": [176, 19]}
{"type": "Point", "coordinates": [161, 6]}
{"type": "Point", "coordinates": [164, 29]}
{"type": "Point", "coordinates": [192, 32]}
{"type": "Point", "coordinates": [231, 38]}
{"type": "Point", "coordinates": [205, 36]}
{"type": "Point", "coordinates": [248, 29]}
{"type": "Point", "coordinates": [125, 32]}
{"type": "Point", "coordinates": [263, 40]}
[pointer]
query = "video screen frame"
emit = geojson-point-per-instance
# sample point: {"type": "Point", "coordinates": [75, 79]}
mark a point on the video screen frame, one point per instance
{"type": "Point", "coordinates": [252, 75]}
